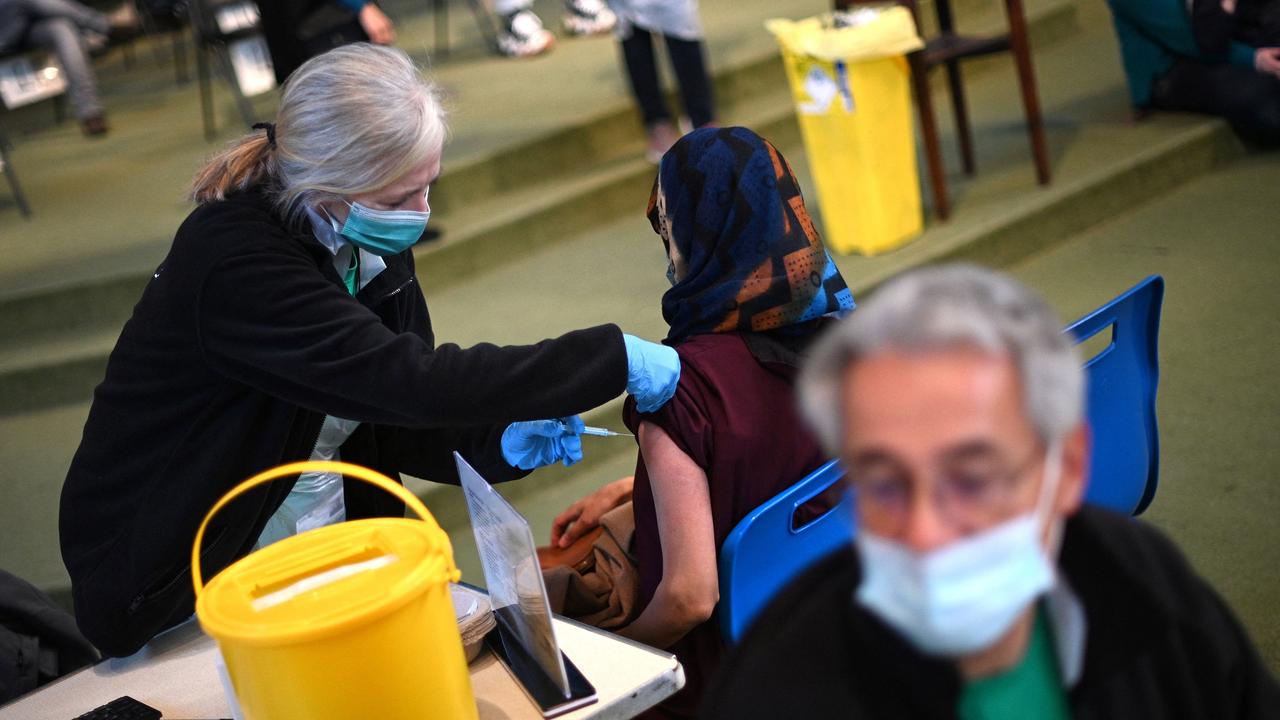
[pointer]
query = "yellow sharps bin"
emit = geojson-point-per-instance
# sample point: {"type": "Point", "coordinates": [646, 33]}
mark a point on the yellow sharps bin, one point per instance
{"type": "Point", "coordinates": [852, 89]}
{"type": "Point", "coordinates": [353, 620]}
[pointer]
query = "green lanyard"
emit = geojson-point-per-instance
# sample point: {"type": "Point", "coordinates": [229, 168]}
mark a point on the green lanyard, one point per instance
{"type": "Point", "coordinates": [352, 279]}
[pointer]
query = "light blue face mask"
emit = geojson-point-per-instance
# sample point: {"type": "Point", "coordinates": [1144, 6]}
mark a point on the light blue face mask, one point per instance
{"type": "Point", "coordinates": [383, 232]}
{"type": "Point", "coordinates": [963, 597]}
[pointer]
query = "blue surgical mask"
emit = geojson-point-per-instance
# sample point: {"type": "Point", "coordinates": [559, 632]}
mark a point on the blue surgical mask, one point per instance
{"type": "Point", "coordinates": [383, 232]}
{"type": "Point", "coordinates": [963, 597]}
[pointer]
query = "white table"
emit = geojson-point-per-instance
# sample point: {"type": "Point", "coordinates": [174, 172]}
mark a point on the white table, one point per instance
{"type": "Point", "coordinates": [175, 673]}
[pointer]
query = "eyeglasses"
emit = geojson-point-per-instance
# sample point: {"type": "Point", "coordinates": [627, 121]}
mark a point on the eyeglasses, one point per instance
{"type": "Point", "coordinates": [966, 497]}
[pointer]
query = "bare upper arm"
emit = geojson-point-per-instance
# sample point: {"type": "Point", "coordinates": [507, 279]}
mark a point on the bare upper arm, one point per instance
{"type": "Point", "coordinates": [682, 500]}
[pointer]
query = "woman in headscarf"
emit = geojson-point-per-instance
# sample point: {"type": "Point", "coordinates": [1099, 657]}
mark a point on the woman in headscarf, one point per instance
{"type": "Point", "coordinates": [752, 286]}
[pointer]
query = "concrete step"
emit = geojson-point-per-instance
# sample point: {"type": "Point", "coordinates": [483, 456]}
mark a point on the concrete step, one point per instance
{"type": "Point", "coordinates": [494, 206]}
{"type": "Point", "coordinates": [1000, 216]}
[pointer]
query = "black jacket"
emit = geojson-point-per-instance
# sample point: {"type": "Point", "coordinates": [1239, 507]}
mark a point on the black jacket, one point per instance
{"type": "Point", "coordinates": [241, 344]}
{"type": "Point", "coordinates": [1160, 644]}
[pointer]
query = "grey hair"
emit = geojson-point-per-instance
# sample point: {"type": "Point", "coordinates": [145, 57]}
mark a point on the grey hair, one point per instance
{"type": "Point", "coordinates": [948, 307]}
{"type": "Point", "coordinates": [350, 121]}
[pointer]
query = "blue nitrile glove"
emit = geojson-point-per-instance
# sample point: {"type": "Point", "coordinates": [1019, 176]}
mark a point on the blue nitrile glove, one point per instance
{"type": "Point", "coordinates": [534, 443]}
{"type": "Point", "coordinates": [653, 371]}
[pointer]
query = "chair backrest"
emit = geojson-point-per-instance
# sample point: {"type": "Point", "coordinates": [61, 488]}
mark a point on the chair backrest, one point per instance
{"type": "Point", "coordinates": [766, 549]}
{"type": "Point", "coordinates": [1122, 380]}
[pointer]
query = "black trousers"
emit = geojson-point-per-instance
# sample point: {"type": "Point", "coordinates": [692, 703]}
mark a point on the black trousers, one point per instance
{"type": "Point", "coordinates": [1249, 100]}
{"type": "Point", "coordinates": [689, 60]}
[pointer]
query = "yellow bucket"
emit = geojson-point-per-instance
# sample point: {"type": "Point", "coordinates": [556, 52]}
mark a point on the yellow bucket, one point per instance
{"type": "Point", "coordinates": [347, 621]}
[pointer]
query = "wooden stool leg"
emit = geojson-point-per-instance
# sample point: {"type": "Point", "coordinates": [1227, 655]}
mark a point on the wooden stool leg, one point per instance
{"type": "Point", "coordinates": [960, 107]}
{"type": "Point", "coordinates": [1021, 47]}
{"type": "Point", "coordinates": [929, 133]}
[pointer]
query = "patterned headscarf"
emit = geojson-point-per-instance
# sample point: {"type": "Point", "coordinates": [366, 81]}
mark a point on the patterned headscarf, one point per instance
{"type": "Point", "coordinates": [753, 260]}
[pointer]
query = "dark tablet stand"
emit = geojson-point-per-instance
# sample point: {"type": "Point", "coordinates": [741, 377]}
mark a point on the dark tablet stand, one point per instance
{"type": "Point", "coordinates": [540, 688]}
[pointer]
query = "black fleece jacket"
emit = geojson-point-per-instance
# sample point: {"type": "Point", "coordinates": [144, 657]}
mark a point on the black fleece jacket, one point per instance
{"type": "Point", "coordinates": [1160, 644]}
{"type": "Point", "coordinates": [242, 342]}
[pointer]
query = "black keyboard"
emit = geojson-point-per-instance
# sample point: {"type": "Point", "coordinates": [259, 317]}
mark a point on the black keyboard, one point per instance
{"type": "Point", "coordinates": [122, 708]}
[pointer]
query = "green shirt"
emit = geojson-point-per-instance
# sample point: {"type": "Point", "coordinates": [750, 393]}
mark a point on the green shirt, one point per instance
{"type": "Point", "coordinates": [1032, 688]}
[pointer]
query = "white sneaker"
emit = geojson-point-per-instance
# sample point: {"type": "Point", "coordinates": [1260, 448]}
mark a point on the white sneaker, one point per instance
{"type": "Point", "coordinates": [588, 17]}
{"type": "Point", "coordinates": [661, 137]}
{"type": "Point", "coordinates": [524, 36]}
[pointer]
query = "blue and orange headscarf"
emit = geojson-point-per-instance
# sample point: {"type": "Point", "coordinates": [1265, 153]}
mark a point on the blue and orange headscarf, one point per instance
{"type": "Point", "coordinates": [753, 259]}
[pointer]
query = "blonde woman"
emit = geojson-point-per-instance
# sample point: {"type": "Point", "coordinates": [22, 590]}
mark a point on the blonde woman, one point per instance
{"type": "Point", "coordinates": [286, 324]}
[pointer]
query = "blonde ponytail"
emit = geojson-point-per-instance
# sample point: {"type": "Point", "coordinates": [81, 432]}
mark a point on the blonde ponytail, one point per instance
{"type": "Point", "coordinates": [247, 162]}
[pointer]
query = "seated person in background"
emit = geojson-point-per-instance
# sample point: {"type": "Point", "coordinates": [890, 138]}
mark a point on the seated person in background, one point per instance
{"type": "Point", "coordinates": [751, 287]}
{"type": "Point", "coordinates": [1172, 66]}
{"type": "Point", "coordinates": [65, 28]}
{"type": "Point", "coordinates": [956, 403]}
{"type": "Point", "coordinates": [285, 21]}
{"type": "Point", "coordinates": [1253, 22]}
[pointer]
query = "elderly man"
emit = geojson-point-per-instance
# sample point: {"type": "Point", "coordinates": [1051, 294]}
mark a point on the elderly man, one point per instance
{"type": "Point", "coordinates": [980, 586]}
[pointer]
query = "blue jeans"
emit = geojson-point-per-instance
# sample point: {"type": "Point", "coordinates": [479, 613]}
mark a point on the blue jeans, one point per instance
{"type": "Point", "coordinates": [57, 26]}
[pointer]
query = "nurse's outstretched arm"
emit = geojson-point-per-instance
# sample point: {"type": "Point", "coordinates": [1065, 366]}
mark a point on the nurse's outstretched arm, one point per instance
{"type": "Point", "coordinates": [653, 372]}
{"type": "Point", "coordinates": [267, 318]}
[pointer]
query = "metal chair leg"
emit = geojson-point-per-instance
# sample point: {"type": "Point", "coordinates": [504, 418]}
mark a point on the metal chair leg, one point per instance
{"type": "Point", "coordinates": [484, 20]}
{"type": "Point", "coordinates": [440, 20]}
{"type": "Point", "coordinates": [206, 89]}
{"type": "Point", "coordinates": [12, 176]}
{"type": "Point", "coordinates": [229, 74]}
{"type": "Point", "coordinates": [180, 56]}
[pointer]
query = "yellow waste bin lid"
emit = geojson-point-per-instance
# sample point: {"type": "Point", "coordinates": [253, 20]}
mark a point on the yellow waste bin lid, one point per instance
{"type": "Point", "coordinates": [323, 581]}
{"type": "Point", "coordinates": [326, 581]}
{"type": "Point", "coordinates": [875, 32]}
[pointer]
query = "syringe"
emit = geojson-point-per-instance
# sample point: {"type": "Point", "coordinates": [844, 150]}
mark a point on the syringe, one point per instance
{"type": "Point", "coordinates": [602, 432]}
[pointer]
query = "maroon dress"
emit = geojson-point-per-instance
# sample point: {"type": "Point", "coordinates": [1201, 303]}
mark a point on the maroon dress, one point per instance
{"type": "Point", "coordinates": [736, 417]}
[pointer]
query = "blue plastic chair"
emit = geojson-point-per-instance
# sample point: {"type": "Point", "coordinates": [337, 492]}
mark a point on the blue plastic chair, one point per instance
{"type": "Point", "coordinates": [1122, 381]}
{"type": "Point", "coordinates": [766, 549]}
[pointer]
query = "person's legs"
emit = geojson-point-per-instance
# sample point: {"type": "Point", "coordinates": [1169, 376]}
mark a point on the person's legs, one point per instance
{"type": "Point", "coordinates": [61, 37]}
{"type": "Point", "coordinates": [82, 16]}
{"type": "Point", "coordinates": [1247, 99]}
{"type": "Point", "coordinates": [13, 24]}
{"type": "Point", "coordinates": [642, 71]}
{"type": "Point", "coordinates": [688, 57]}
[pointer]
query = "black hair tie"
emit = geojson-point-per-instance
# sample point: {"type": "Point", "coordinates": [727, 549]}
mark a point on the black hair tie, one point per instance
{"type": "Point", "coordinates": [271, 132]}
